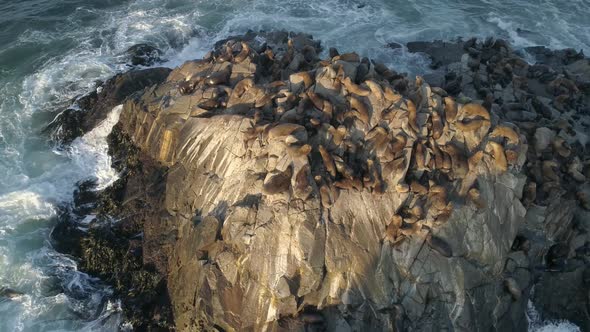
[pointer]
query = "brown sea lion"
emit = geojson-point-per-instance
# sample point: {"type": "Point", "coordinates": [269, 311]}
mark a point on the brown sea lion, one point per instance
{"type": "Point", "coordinates": [328, 161]}
{"type": "Point", "coordinates": [353, 88]}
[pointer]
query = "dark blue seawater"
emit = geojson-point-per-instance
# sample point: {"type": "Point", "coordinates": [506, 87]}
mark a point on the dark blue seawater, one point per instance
{"type": "Point", "coordinates": [53, 50]}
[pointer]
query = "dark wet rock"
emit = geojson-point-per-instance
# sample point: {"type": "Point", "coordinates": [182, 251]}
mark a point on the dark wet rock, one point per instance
{"type": "Point", "coordinates": [554, 58]}
{"type": "Point", "coordinates": [393, 45]}
{"type": "Point", "coordinates": [441, 53]}
{"type": "Point", "coordinates": [143, 55]}
{"type": "Point", "coordinates": [92, 108]}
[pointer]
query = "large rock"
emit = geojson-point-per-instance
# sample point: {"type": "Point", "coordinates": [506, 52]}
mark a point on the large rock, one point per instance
{"type": "Point", "coordinates": [240, 255]}
{"type": "Point", "coordinates": [275, 191]}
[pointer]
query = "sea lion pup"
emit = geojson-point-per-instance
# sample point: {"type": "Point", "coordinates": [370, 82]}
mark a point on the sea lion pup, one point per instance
{"type": "Point", "coordinates": [328, 161]}
{"type": "Point", "coordinates": [390, 95]}
{"type": "Point", "coordinates": [412, 115]}
{"type": "Point", "coordinates": [512, 138]}
{"type": "Point", "coordinates": [512, 287]}
{"type": "Point", "coordinates": [302, 77]}
{"type": "Point", "coordinates": [450, 109]}
{"type": "Point", "coordinates": [496, 150]}
{"type": "Point", "coordinates": [277, 182]}
{"type": "Point", "coordinates": [359, 108]}
{"type": "Point", "coordinates": [550, 169]}
{"type": "Point", "coordinates": [475, 197]}
{"type": "Point", "coordinates": [439, 245]}
{"type": "Point", "coordinates": [353, 88]}
{"type": "Point", "coordinates": [244, 53]}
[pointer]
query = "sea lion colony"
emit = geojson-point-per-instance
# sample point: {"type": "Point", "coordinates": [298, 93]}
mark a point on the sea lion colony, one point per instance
{"type": "Point", "coordinates": [351, 124]}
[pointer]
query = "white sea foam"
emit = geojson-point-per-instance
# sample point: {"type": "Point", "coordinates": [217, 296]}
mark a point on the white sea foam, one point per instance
{"type": "Point", "coordinates": [537, 324]}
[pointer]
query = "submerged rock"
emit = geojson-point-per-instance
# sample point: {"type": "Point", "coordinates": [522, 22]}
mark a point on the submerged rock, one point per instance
{"type": "Point", "coordinates": [143, 55]}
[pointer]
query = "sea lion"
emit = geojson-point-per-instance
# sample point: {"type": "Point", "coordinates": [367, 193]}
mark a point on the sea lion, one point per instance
{"type": "Point", "coordinates": [328, 110]}
{"type": "Point", "coordinates": [185, 87]}
{"type": "Point", "coordinates": [218, 77]}
{"type": "Point", "coordinates": [285, 129]}
{"type": "Point", "coordinates": [301, 78]}
{"type": "Point", "coordinates": [244, 53]}
{"type": "Point", "coordinates": [506, 132]}
{"type": "Point", "coordinates": [377, 136]}
{"type": "Point", "coordinates": [326, 196]}
{"type": "Point", "coordinates": [226, 55]}
{"type": "Point", "coordinates": [348, 57]}
{"type": "Point", "coordinates": [376, 89]}
{"type": "Point", "coordinates": [399, 143]}
{"type": "Point", "coordinates": [353, 88]}
{"type": "Point", "coordinates": [362, 113]}
{"type": "Point", "coordinates": [439, 245]}
{"type": "Point", "coordinates": [342, 168]}
{"type": "Point", "coordinates": [412, 115]}
{"type": "Point", "coordinates": [328, 161]}
{"type": "Point", "coordinates": [345, 183]}
{"type": "Point", "coordinates": [437, 125]}
{"type": "Point", "coordinates": [521, 243]}
{"type": "Point", "coordinates": [277, 182]}
{"type": "Point", "coordinates": [550, 169]}
{"type": "Point", "coordinates": [315, 99]}
{"type": "Point", "coordinates": [459, 166]}
{"type": "Point", "coordinates": [419, 156]}
{"type": "Point", "coordinates": [299, 151]}
{"type": "Point", "coordinates": [470, 125]}
{"type": "Point", "coordinates": [301, 186]}
{"type": "Point", "coordinates": [499, 158]}
{"type": "Point", "coordinates": [575, 170]}
{"type": "Point", "coordinates": [390, 95]}
{"type": "Point", "coordinates": [561, 147]}
{"type": "Point", "coordinates": [410, 229]}
{"type": "Point", "coordinates": [450, 109]}
{"type": "Point", "coordinates": [418, 188]}
{"type": "Point", "coordinates": [476, 198]}
{"type": "Point", "coordinates": [513, 288]}
{"type": "Point", "coordinates": [402, 188]}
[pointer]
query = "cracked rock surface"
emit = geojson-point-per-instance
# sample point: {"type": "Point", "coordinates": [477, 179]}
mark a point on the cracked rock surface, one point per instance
{"type": "Point", "coordinates": [298, 193]}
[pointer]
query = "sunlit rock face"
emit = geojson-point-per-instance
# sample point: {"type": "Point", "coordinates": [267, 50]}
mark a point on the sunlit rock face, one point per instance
{"type": "Point", "coordinates": [328, 193]}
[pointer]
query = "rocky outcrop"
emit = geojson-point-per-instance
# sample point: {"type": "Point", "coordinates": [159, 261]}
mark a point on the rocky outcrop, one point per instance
{"type": "Point", "coordinates": [89, 110]}
{"type": "Point", "coordinates": [267, 189]}
{"type": "Point", "coordinates": [549, 102]}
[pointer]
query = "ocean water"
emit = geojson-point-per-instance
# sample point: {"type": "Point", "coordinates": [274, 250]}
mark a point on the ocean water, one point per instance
{"type": "Point", "coordinates": [54, 50]}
